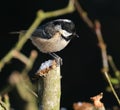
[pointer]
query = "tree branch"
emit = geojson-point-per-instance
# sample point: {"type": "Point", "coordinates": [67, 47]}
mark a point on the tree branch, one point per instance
{"type": "Point", "coordinates": [49, 88]}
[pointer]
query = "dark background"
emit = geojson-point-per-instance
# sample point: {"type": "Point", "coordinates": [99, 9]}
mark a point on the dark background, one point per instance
{"type": "Point", "coordinates": [82, 63]}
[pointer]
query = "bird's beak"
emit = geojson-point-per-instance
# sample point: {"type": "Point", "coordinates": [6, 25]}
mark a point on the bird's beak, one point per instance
{"type": "Point", "coordinates": [76, 35]}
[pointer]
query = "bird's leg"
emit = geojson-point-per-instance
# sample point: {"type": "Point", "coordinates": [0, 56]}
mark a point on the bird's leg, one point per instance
{"type": "Point", "coordinates": [57, 58]}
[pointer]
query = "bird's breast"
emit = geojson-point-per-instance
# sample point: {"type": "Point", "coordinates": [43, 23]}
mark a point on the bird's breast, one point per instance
{"type": "Point", "coordinates": [53, 44]}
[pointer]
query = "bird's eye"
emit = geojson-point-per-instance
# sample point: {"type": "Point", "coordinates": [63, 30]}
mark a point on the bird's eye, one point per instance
{"type": "Point", "coordinates": [56, 23]}
{"type": "Point", "coordinates": [70, 27]}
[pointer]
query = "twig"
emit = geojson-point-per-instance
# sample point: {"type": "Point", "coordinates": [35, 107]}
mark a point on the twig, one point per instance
{"type": "Point", "coordinates": [30, 62]}
{"type": "Point", "coordinates": [25, 71]}
{"type": "Point", "coordinates": [83, 14]}
{"type": "Point", "coordinates": [116, 79]}
{"type": "Point", "coordinates": [23, 83]}
{"type": "Point", "coordinates": [96, 29]}
{"type": "Point", "coordinates": [104, 57]}
{"type": "Point", "coordinates": [29, 86]}
{"type": "Point", "coordinates": [111, 86]}
{"type": "Point", "coordinates": [102, 45]}
{"type": "Point", "coordinates": [18, 81]}
{"type": "Point", "coordinates": [20, 56]}
{"type": "Point", "coordinates": [41, 15]}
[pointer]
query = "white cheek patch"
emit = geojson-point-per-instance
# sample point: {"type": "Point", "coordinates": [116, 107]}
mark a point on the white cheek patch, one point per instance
{"type": "Point", "coordinates": [66, 20]}
{"type": "Point", "coordinates": [65, 33]}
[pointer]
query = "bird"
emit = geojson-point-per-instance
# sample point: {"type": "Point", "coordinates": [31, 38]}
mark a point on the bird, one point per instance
{"type": "Point", "coordinates": [53, 36]}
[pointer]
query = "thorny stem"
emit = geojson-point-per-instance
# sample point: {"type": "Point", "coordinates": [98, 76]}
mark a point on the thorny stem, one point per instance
{"type": "Point", "coordinates": [41, 15]}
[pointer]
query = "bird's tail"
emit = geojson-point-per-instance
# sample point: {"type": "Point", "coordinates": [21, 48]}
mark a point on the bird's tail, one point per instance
{"type": "Point", "coordinates": [18, 32]}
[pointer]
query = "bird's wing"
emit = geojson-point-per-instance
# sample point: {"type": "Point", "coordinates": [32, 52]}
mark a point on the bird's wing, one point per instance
{"type": "Point", "coordinates": [40, 33]}
{"type": "Point", "coordinates": [45, 31]}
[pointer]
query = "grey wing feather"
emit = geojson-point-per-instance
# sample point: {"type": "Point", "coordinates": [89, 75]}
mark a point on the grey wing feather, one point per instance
{"type": "Point", "coordinates": [45, 31]}
{"type": "Point", "coordinates": [39, 33]}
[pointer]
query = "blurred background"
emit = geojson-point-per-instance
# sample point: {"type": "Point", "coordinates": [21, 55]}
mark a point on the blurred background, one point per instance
{"type": "Point", "coordinates": [82, 63]}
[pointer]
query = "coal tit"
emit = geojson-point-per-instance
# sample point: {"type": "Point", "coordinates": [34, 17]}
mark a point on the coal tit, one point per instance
{"type": "Point", "coordinates": [54, 35]}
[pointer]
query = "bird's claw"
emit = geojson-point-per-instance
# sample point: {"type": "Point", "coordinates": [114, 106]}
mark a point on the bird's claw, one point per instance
{"type": "Point", "coordinates": [57, 58]}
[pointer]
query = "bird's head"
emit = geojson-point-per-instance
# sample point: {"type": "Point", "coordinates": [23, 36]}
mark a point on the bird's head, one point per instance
{"type": "Point", "coordinates": [66, 28]}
